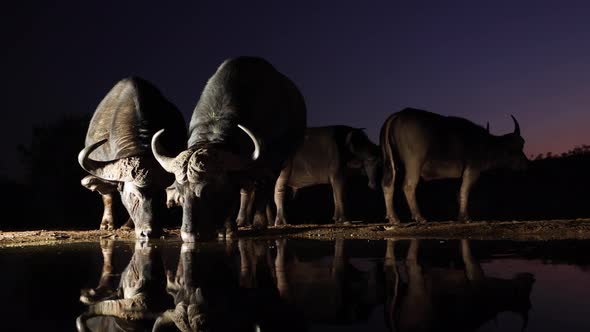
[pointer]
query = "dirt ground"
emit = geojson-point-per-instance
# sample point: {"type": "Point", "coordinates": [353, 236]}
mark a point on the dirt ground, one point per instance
{"type": "Point", "coordinates": [484, 230]}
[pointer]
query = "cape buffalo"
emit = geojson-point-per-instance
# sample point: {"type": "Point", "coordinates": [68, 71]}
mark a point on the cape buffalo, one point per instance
{"type": "Point", "coordinates": [247, 123]}
{"type": "Point", "coordinates": [433, 146]}
{"type": "Point", "coordinates": [449, 299]}
{"type": "Point", "coordinates": [118, 154]}
{"type": "Point", "coordinates": [324, 157]}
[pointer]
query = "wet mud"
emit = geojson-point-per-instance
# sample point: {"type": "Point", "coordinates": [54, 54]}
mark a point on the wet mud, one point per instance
{"type": "Point", "coordinates": [489, 230]}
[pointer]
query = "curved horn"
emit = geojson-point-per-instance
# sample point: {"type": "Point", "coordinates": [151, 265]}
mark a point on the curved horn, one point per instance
{"type": "Point", "coordinates": [90, 165]}
{"type": "Point", "coordinates": [167, 163]}
{"type": "Point", "coordinates": [175, 165]}
{"type": "Point", "coordinates": [256, 152]}
{"type": "Point", "coordinates": [516, 126]}
{"type": "Point", "coordinates": [106, 170]}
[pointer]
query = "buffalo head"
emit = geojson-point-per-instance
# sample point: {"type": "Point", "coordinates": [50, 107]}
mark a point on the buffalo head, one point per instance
{"type": "Point", "coordinates": [510, 154]}
{"type": "Point", "coordinates": [366, 155]}
{"type": "Point", "coordinates": [135, 179]}
{"type": "Point", "coordinates": [202, 177]}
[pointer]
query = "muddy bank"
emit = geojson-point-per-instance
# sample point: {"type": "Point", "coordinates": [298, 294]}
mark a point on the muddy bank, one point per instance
{"type": "Point", "coordinates": [484, 230]}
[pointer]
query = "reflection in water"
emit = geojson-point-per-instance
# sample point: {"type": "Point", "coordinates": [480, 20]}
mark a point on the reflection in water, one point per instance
{"type": "Point", "coordinates": [273, 285]}
{"type": "Point", "coordinates": [336, 293]}
{"type": "Point", "coordinates": [137, 300]}
{"type": "Point", "coordinates": [449, 299]}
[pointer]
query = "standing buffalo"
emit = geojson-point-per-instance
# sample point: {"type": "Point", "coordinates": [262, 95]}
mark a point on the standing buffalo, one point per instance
{"type": "Point", "coordinates": [433, 146]}
{"type": "Point", "coordinates": [118, 155]}
{"type": "Point", "coordinates": [247, 123]}
{"type": "Point", "coordinates": [325, 157]}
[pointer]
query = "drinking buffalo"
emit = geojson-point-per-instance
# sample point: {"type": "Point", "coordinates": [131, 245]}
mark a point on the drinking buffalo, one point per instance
{"type": "Point", "coordinates": [433, 146]}
{"type": "Point", "coordinates": [324, 157]}
{"type": "Point", "coordinates": [247, 123]}
{"type": "Point", "coordinates": [118, 155]}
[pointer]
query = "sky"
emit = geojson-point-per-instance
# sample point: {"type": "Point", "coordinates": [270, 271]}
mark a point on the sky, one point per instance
{"type": "Point", "coordinates": [355, 63]}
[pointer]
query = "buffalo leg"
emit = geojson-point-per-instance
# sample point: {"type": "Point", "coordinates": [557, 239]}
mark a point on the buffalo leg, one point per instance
{"type": "Point", "coordinates": [106, 189]}
{"type": "Point", "coordinates": [469, 178]}
{"type": "Point", "coordinates": [229, 224]}
{"type": "Point", "coordinates": [338, 193]}
{"type": "Point", "coordinates": [261, 199]}
{"type": "Point", "coordinates": [410, 184]}
{"type": "Point", "coordinates": [279, 196]}
{"type": "Point", "coordinates": [270, 216]}
{"type": "Point", "coordinates": [388, 186]}
{"type": "Point", "coordinates": [107, 215]}
{"type": "Point", "coordinates": [246, 201]}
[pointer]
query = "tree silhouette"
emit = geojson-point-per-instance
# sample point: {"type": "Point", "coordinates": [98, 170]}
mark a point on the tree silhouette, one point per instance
{"type": "Point", "coordinates": [53, 174]}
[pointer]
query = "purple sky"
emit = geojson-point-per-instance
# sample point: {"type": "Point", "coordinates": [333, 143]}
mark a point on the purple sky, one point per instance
{"type": "Point", "coordinates": [355, 64]}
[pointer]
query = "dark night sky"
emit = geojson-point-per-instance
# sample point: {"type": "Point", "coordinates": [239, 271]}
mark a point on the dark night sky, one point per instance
{"type": "Point", "coordinates": [355, 63]}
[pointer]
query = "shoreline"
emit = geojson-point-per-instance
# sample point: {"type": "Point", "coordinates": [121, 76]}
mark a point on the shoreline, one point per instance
{"type": "Point", "coordinates": [538, 230]}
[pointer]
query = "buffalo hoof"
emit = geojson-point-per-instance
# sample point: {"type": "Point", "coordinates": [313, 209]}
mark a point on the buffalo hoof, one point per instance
{"type": "Point", "coordinates": [280, 222]}
{"type": "Point", "coordinates": [241, 223]}
{"type": "Point", "coordinates": [342, 222]}
{"type": "Point", "coordinates": [106, 225]}
{"type": "Point", "coordinates": [126, 227]}
{"type": "Point", "coordinates": [260, 226]}
{"type": "Point", "coordinates": [231, 234]}
{"type": "Point", "coordinates": [464, 220]}
{"type": "Point", "coordinates": [420, 220]}
{"type": "Point", "coordinates": [231, 231]}
{"type": "Point", "coordinates": [393, 220]}
{"type": "Point", "coordinates": [260, 222]}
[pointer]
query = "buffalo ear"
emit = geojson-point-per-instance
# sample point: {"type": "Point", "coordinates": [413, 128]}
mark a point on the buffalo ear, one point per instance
{"type": "Point", "coordinates": [354, 163]}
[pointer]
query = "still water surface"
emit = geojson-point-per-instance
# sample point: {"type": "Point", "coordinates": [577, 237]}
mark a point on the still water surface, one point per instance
{"type": "Point", "coordinates": [298, 285]}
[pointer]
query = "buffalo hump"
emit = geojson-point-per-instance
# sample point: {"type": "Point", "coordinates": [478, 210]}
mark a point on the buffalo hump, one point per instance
{"type": "Point", "coordinates": [128, 116]}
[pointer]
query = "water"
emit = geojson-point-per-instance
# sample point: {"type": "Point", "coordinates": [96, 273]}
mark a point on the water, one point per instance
{"type": "Point", "coordinates": [298, 285]}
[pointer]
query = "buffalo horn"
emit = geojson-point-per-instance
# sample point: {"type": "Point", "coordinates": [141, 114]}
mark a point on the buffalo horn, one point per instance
{"type": "Point", "coordinates": [256, 152]}
{"type": "Point", "coordinates": [106, 170]}
{"type": "Point", "coordinates": [516, 126]}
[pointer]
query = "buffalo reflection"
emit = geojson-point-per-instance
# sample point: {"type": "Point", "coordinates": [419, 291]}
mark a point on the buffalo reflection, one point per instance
{"type": "Point", "coordinates": [449, 299]}
{"type": "Point", "coordinates": [139, 298]}
{"type": "Point", "coordinates": [208, 296]}
{"type": "Point", "coordinates": [273, 286]}
{"type": "Point", "coordinates": [106, 288]}
{"type": "Point", "coordinates": [335, 293]}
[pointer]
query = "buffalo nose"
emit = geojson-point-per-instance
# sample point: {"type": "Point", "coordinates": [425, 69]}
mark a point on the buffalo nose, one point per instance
{"type": "Point", "coordinates": [143, 234]}
{"type": "Point", "coordinates": [187, 236]}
